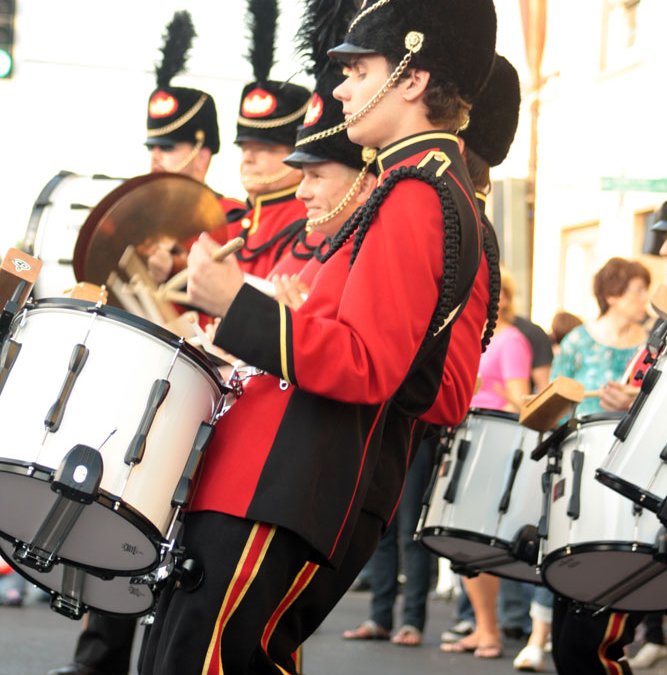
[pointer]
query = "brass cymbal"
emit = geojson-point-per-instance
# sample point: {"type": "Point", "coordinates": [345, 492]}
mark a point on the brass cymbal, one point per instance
{"type": "Point", "coordinates": [142, 210]}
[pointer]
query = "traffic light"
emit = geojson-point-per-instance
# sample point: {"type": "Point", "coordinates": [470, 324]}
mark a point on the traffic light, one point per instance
{"type": "Point", "coordinates": [7, 11]}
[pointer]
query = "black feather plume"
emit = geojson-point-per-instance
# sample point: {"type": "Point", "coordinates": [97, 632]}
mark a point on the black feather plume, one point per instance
{"type": "Point", "coordinates": [177, 41]}
{"type": "Point", "coordinates": [323, 26]}
{"type": "Point", "coordinates": [261, 19]}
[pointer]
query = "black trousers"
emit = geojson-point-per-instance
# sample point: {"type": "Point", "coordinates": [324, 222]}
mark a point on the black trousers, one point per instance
{"type": "Point", "coordinates": [585, 643]}
{"type": "Point", "coordinates": [321, 594]}
{"type": "Point", "coordinates": [106, 644]}
{"type": "Point", "coordinates": [250, 572]}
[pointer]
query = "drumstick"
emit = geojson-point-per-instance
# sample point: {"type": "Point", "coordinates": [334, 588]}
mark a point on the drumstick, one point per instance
{"type": "Point", "coordinates": [181, 278]}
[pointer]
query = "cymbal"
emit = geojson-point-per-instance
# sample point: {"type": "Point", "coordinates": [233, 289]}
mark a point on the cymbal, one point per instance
{"type": "Point", "coordinates": [142, 210]}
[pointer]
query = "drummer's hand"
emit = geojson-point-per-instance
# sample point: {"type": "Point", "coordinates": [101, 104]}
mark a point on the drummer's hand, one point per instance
{"type": "Point", "coordinates": [289, 290]}
{"type": "Point", "coordinates": [160, 263]}
{"type": "Point", "coordinates": [615, 396]}
{"type": "Point", "coordinates": [212, 286]}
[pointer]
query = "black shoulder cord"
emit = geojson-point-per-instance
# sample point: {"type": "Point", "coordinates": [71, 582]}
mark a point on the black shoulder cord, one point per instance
{"type": "Point", "coordinates": [361, 220]}
{"type": "Point", "coordinates": [493, 260]}
{"type": "Point", "coordinates": [285, 236]}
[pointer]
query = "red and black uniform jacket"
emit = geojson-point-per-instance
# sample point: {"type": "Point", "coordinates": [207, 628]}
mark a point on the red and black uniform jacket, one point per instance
{"type": "Point", "coordinates": [300, 447]}
{"type": "Point", "coordinates": [267, 227]}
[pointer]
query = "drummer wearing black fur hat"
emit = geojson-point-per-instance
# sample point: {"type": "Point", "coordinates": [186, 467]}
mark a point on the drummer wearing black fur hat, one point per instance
{"type": "Point", "coordinates": [181, 133]}
{"type": "Point", "coordinates": [276, 499]}
{"type": "Point", "coordinates": [270, 112]}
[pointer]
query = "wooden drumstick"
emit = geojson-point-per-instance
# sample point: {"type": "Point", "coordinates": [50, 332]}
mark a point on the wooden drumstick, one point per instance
{"type": "Point", "coordinates": [181, 278]}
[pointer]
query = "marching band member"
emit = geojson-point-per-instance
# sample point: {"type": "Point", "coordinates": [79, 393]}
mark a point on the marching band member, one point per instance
{"type": "Point", "coordinates": [182, 136]}
{"type": "Point", "coordinates": [282, 496]}
{"type": "Point", "coordinates": [269, 114]}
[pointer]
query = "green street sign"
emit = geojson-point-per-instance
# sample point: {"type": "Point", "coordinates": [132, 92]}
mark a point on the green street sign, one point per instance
{"type": "Point", "coordinates": [620, 184]}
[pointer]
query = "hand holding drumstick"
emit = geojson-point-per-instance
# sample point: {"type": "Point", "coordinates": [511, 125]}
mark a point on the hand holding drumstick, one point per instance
{"type": "Point", "coordinates": [214, 276]}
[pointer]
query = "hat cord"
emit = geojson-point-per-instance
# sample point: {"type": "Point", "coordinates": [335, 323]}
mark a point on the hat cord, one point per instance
{"type": "Point", "coordinates": [353, 119]}
{"type": "Point", "coordinates": [178, 123]}
{"type": "Point", "coordinates": [278, 122]}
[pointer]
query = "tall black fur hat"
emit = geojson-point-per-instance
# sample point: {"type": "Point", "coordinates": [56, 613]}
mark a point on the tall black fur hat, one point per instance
{"type": "Point", "coordinates": [270, 111]}
{"type": "Point", "coordinates": [459, 38]}
{"type": "Point", "coordinates": [324, 24]}
{"type": "Point", "coordinates": [180, 114]}
{"type": "Point", "coordinates": [495, 114]}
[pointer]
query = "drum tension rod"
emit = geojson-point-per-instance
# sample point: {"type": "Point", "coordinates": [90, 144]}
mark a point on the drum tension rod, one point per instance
{"type": "Point", "coordinates": [77, 482]}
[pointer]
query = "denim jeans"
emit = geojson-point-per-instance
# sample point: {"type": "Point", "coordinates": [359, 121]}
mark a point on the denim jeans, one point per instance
{"type": "Point", "coordinates": [398, 550]}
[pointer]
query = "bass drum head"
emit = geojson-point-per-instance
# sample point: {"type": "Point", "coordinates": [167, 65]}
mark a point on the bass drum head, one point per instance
{"type": "Point", "coordinates": [116, 596]}
{"type": "Point", "coordinates": [621, 576]}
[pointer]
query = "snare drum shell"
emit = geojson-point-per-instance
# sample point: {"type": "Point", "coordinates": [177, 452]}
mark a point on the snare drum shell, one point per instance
{"type": "Point", "coordinates": [471, 528]}
{"type": "Point", "coordinates": [610, 541]}
{"type": "Point", "coordinates": [103, 412]}
{"type": "Point", "coordinates": [633, 466]}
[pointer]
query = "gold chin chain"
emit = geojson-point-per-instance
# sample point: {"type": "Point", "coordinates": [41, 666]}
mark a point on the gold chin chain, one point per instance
{"type": "Point", "coordinates": [271, 178]}
{"type": "Point", "coordinates": [199, 144]}
{"type": "Point", "coordinates": [413, 43]}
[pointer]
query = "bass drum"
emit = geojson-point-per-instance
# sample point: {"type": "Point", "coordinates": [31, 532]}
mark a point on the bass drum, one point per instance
{"type": "Point", "coordinates": [56, 218]}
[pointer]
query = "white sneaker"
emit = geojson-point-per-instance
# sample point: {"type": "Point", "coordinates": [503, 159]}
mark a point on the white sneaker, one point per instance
{"type": "Point", "coordinates": [648, 654]}
{"type": "Point", "coordinates": [530, 659]}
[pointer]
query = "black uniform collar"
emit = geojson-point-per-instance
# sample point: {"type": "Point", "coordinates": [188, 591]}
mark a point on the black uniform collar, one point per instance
{"type": "Point", "coordinates": [414, 145]}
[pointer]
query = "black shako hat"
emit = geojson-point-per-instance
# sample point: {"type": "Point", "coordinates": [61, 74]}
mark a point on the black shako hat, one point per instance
{"type": "Point", "coordinates": [270, 111]}
{"type": "Point", "coordinates": [324, 113]}
{"type": "Point", "coordinates": [495, 114]}
{"type": "Point", "coordinates": [180, 114]}
{"type": "Point", "coordinates": [323, 26]}
{"type": "Point", "coordinates": [459, 38]}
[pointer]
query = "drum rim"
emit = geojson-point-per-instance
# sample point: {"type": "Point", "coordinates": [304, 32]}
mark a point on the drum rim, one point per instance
{"type": "Point", "coordinates": [594, 547]}
{"type": "Point", "coordinates": [104, 499]}
{"type": "Point", "coordinates": [484, 539]}
{"type": "Point", "coordinates": [123, 317]}
{"type": "Point", "coordinates": [490, 412]}
{"type": "Point", "coordinates": [639, 496]}
{"type": "Point", "coordinates": [34, 579]}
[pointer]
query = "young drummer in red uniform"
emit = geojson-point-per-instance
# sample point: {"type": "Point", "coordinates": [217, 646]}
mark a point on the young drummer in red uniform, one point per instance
{"type": "Point", "coordinates": [290, 467]}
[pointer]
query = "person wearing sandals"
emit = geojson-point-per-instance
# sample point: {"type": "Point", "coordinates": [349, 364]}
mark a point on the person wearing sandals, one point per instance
{"type": "Point", "coordinates": [493, 122]}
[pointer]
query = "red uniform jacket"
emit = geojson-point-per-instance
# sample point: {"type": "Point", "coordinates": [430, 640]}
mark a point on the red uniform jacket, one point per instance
{"type": "Point", "coordinates": [300, 447]}
{"type": "Point", "coordinates": [267, 227]}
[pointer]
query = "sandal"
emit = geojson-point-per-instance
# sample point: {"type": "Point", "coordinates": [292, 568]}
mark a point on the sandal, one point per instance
{"type": "Point", "coordinates": [368, 630]}
{"type": "Point", "coordinates": [407, 636]}
{"type": "Point", "coordinates": [490, 651]}
{"type": "Point", "coordinates": [459, 647]}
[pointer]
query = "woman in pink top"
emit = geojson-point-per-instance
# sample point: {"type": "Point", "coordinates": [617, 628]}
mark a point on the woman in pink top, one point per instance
{"type": "Point", "coordinates": [504, 381]}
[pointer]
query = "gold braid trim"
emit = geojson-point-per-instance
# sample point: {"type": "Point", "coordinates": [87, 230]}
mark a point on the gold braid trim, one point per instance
{"type": "Point", "coordinates": [278, 122]}
{"type": "Point", "coordinates": [365, 12]}
{"type": "Point", "coordinates": [413, 43]}
{"type": "Point", "coordinates": [199, 144]}
{"type": "Point", "coordinates": [178, 123]}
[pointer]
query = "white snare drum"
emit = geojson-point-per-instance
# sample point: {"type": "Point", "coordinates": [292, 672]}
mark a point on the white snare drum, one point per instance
{"type": "Point", "coordinates": [600, 548]}
{"type": "Point", "coordinates": [487, 495]}
{"type": "Point", "coordinates": [73, 590]}
{"type": "Point", "coordinates": [636, 465]}
{"type": "Point", "coordinates": [111, 408]}
{"type": "Point", "coordinates": [57, 216]}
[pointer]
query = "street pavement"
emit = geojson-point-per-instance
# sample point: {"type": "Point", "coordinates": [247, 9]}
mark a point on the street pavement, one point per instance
{"type": "Point", "coordinates": [34, 639]}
